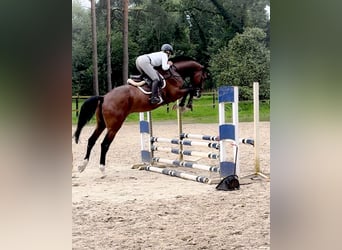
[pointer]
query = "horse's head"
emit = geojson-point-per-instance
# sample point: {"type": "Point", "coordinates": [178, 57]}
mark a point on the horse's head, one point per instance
{"type": "Point", "coordinates": [197, 81]}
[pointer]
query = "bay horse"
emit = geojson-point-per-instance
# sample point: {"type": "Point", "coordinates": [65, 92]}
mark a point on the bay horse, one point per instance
{"type": "Point", "coordinates": [113, 108]}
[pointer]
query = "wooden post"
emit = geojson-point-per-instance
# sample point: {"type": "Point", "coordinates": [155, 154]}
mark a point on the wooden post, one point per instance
{"type": "Point", "coordinates": [180, 129]}
{"type": "Point", "coordinates": [256, 125]}
{"type": "Point", "coordinates": [257, 172]}
{"type": "Point", "coordinates": [214, 99]}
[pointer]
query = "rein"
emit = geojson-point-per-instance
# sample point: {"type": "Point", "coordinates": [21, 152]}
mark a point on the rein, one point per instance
{"type": "Point", "coordinates": [171, 73]}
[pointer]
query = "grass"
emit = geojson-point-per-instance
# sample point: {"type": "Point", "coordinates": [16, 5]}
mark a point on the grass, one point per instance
{"type": "Point", "coordinates": [204, 111]}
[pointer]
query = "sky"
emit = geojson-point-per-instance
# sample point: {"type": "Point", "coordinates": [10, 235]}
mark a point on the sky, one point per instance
{"type": "Point", "coordinates": [268, 10]}
{"type": "Point", "coordinates": [85, 3]}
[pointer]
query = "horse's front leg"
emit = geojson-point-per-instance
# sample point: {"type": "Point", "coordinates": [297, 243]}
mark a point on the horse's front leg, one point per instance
{"type": "Point", "coordinates": [181, 103]}
{"type": "Point", "coordinates": [191, 93]}
{"type": "Point", "coordinates": [191, 97]}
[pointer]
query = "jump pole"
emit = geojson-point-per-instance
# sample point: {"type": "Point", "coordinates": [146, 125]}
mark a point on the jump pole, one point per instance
{"type": "Point", "coordinates": [257, 172]}
{"type": "Point", "coordinates": [180, 129]}
{"type": "Point", "coordinates": [229, 132]}
{"type": "Point", "coordinates": [226, 141]}
{"type": "Point", "coordinates": [256, 125]}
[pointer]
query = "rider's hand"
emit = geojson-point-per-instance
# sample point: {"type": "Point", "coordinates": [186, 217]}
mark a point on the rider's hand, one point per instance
{"type": "Point", "coordinates": [170, 63]}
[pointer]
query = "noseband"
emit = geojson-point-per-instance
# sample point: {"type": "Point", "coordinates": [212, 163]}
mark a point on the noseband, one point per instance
{"type": "Point", "coordinates": [198, 89]}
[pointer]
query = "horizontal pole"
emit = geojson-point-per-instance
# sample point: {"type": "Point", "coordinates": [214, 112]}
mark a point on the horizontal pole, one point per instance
{"type": "Point", "coordinates": [187, 164]}
{"type": "Point", "coordinates": [200, 137]}
{"type": "Point", "coordinates": [177, 151]}
{"type": "Point", "coordinates": [175, 173]}
{"type": "Point", "coordinates": [186, 142]}
{"type": "Point", "coordinates": [247, 141]}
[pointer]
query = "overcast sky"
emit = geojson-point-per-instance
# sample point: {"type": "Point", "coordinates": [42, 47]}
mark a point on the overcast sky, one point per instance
{"type": "Point", "coordinates": [85, 3]}
{"type": "Point", "coordinates": [268, 10]}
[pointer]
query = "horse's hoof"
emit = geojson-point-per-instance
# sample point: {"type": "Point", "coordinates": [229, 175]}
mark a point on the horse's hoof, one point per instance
{"type": "Point", "coordinates": [103, 170]}
{"type": "Point", "coordinates": [182, 109]}
{"type": "Point", "coordinates": [82, 167]}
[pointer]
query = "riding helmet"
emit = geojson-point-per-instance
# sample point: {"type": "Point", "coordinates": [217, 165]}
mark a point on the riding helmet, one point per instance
{"type": "Point", "coordinates": [167, 47]}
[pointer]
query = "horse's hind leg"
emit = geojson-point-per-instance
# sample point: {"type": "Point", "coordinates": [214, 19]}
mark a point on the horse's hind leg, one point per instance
{"type": "Point", "coordinates": [104, 148]}
{"type": "Point", "coordinates": [91, 142]}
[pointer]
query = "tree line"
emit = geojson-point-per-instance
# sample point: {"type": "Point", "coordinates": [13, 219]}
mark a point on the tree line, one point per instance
{"type": "Point", "coordinates": [231, 38]}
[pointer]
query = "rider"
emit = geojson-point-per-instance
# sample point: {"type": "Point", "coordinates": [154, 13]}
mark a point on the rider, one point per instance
{"type": "Point", "coordinates": [145, 64]}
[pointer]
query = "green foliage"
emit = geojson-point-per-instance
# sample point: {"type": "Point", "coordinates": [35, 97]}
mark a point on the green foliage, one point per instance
{"type": "Point", "coordinates": [81, 49]}
{"type": "Point", "coordinates": [245, 60]}
{"type": "Point", "coordinates": [215, 32]}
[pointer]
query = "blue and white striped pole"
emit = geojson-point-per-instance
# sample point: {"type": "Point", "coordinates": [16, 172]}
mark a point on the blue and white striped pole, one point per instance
{"type": "Point", "coordinates": [228, 131]}
{"type": "Point", "coordinates": [145, 135]}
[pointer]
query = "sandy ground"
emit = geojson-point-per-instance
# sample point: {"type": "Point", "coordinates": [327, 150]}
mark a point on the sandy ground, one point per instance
{"type": "Point", "coordinates": [132, 209]}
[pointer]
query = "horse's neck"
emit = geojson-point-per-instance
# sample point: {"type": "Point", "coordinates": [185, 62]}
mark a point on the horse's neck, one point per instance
{"type": "Point", "coordinates": [169, 73]}
{"type": "Point", "coordinates": [187, 67]}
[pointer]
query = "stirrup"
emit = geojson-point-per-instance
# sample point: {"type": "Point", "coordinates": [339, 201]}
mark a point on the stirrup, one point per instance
{"type": "Point", "coordinates": [155, 100]}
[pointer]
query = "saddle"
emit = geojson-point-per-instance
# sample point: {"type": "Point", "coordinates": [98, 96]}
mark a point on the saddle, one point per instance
{"type": "Point", "coordinates": [144, 83]}
{"type": "Point", "coordinates": [139, 80]}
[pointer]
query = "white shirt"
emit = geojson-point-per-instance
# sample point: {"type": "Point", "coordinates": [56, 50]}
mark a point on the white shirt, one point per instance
{"type": "Point", "coordinates": [159, 59]}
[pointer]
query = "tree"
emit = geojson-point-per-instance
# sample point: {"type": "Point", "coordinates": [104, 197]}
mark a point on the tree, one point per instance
{"type": "Point", "coordinates": [125, 41]}
{"type": "Point", "coordinates": [81, 50]}
{"type": "Point", "coordinates": [237, 27]}
{"type": "Point", "coordinates": [244, 61]}
{"type": "Point", "coordinates": [109, 60]}
{"type": "Point", "coordinates": [199, 29]}
{"type": "Point", "coordinates": [94, 44]}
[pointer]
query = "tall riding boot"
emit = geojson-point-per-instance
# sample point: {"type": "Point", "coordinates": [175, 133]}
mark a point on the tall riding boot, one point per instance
{"type": "Point", "coordinates": [155, 97]}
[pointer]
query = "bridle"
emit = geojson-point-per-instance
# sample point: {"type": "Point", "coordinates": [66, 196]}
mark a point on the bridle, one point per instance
{"type": "Point", "coordinates": [198, 89]}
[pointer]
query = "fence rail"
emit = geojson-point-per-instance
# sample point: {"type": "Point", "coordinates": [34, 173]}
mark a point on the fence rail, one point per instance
{"type": "Point", "coordinates": [77, 99]}
{"type": "Point", "coordinates": [212, 93]}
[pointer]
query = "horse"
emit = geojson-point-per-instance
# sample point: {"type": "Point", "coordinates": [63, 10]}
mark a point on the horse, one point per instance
{"type": "Point", "coordinates": [112, 109]}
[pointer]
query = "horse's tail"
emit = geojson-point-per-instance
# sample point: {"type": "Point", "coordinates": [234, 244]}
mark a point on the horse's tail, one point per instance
{"type": "Point", "coordinates": [86, 113]}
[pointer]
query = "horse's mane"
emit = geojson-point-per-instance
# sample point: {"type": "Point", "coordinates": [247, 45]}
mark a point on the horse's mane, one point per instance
{"type": "Point", "coordinates": [181, 58]}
